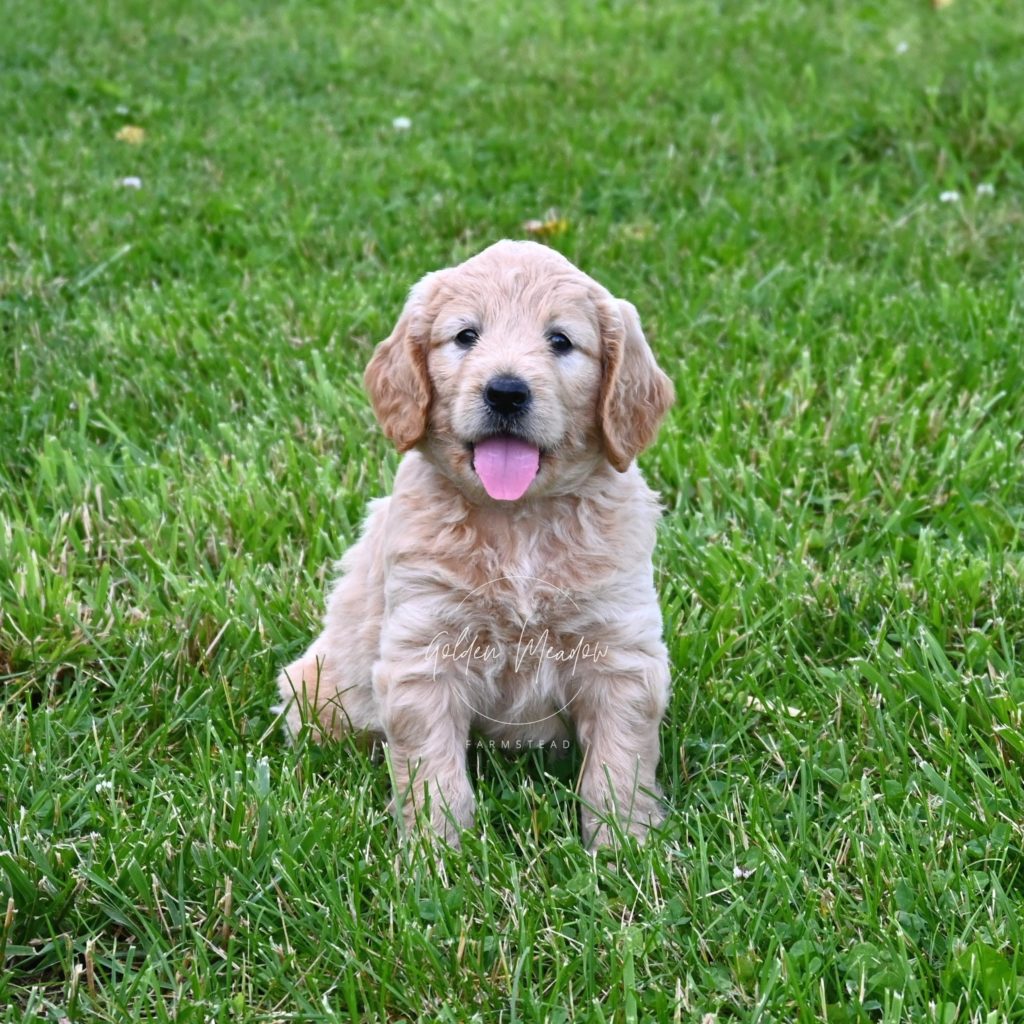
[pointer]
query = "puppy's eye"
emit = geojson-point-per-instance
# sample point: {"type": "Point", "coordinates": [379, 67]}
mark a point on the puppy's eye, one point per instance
{"type": "Point", "coordinates": [467, 338]}
{"type": "Point", "coordinates": [560, 343]}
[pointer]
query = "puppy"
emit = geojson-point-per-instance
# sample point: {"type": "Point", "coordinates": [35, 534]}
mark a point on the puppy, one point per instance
{"type": "Point", "coordinates": [505, 589]}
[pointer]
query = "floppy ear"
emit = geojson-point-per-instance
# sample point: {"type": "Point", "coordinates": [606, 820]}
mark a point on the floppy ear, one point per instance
{"type": "Point", "coordinates": [396, 378]}
{"type": "Point", "coordinates": [635, 394]}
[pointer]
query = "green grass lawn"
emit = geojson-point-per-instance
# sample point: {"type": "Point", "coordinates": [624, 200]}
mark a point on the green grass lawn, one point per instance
{"type": "Point", "coordinates": [185, 447]}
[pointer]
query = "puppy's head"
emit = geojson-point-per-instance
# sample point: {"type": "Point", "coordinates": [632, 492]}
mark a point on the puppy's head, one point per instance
{"type": "Point", "coordinates": [516, 375]}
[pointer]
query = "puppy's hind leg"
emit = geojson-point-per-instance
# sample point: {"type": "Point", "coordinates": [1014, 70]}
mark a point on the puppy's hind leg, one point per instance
{"type": "Point", "coordinates": [330, 687]}
{"type": "Point", "coordinates": [316, 691]}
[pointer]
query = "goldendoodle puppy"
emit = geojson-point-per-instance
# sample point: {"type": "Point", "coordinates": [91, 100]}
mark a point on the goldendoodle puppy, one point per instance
{"type": "Point", "coordinates": [505, 589]}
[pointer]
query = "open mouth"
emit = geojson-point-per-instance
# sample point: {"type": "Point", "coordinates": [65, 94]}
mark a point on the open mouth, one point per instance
{"type": "Point", "coordinates": [506, 465]}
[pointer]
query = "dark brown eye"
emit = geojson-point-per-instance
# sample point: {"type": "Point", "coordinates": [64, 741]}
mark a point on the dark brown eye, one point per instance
{"type": "Point", "coordinates": [560, 343]}
{"type": "Point", "coordinates": [467, 338]}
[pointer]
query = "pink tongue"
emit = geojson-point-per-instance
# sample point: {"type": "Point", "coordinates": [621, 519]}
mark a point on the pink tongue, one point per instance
{"type": "Point", "coordinates": [506, 466]}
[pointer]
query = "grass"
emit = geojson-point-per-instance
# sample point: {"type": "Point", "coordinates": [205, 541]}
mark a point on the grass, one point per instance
{"type": "Point", "coordinates": [185, 446]}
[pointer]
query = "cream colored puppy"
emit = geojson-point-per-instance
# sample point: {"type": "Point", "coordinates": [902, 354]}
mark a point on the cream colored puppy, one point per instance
{"type": "Point", "coordinates": [505, 589]}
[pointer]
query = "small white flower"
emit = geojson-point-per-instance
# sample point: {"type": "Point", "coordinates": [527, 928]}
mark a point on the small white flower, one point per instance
{"type": "Point", "coordinates": [986, 188]}
{"type": "Point", "coordinates": [121, 109]}
{"type": "Point", "coordinates": [131, 182]}
{"type": "Point", "coordinates": [902, 46]}
{"type": "Point", "coordinates": [401, 124]}
{"type": "Point", "coordinates": [949, 197]}
{"type": "Point", "coordinates": [104, 784]}
{"type": "Point", "coordinates": [740, 873]}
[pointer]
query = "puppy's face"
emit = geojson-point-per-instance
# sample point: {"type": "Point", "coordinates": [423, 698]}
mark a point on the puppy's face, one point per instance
{"type": "Point", "coordinates": [517, 375]}
{"type": "Point", "coordinates": [515, 366]}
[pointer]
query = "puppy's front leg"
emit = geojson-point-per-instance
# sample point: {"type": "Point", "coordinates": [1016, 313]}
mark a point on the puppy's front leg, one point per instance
{"type": "Point", "coordinates": [427, 729]}
{"type": "Point", "coordinates": [617, 715]}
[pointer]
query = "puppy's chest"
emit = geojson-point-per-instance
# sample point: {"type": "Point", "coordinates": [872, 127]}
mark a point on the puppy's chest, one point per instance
{"type": "Point", "coordinates": [519, 602]}
{"type": "Point", "coordinates": [523, 590]}
{"type": "Point", "coordinates": [517, 630]}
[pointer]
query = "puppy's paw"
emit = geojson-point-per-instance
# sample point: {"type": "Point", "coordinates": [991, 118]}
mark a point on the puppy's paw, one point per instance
{"type": "Point", "coordinates": [309, 703]}
{"type": "Point", "coordinates": [297, 717]}
{"type": "Point", "coordinates": [604, 827]}
{"type": "Point", "coordinates": [439, 818]}
{"type": "Point", "coordinates": [288, 727]}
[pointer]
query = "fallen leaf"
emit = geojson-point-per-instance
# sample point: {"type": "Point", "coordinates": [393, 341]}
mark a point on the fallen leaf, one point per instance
{"type": "Point", "coordinates": [551, 225]}
{"type": "Point", "coordinates": [132, 134]}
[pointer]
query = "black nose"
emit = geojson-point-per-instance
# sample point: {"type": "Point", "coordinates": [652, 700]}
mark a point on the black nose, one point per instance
{"type": "Point", "coordinates": [507, 395]}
